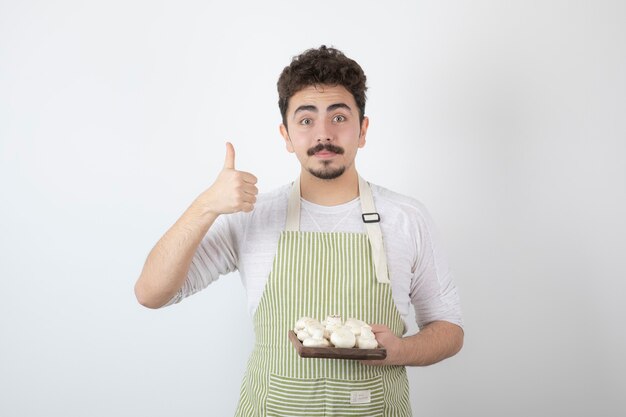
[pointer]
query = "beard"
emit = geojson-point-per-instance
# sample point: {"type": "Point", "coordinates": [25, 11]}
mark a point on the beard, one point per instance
{"type": "Point", "coordinates": [326, 172]}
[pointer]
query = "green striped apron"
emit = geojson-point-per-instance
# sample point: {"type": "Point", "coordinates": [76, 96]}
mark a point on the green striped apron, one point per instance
{"type": "Point", "coordinates": [316, 274]}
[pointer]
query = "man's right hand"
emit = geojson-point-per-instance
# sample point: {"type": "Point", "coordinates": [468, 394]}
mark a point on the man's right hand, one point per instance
{"type": "Point", "coordinates": [232, 191]}
{"type": "Point", "coordinates": [168, 263]}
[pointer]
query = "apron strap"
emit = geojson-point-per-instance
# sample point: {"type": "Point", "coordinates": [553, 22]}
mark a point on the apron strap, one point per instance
{"type": "Point", "coordinates": [372, 225]}
{"type": "Point", "coordinates": [293, 208]}
{"type": "Point", "coordinates": [369, 215]}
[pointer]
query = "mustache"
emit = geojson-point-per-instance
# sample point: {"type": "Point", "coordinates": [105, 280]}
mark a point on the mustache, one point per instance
{"type": "Point", "coordinates": [325, 147]}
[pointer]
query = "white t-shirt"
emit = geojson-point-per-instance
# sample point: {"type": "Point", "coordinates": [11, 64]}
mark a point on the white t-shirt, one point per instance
{"type": "Point", "coordinates": [247, 242]}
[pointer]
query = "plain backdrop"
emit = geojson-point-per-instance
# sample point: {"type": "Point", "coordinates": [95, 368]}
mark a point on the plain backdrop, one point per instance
{"type": "Point", "coordinates": [505, 118]}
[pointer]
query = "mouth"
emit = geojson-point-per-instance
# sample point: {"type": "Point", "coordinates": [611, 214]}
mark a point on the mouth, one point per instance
{"type": "Point", "coordinates": [325, 154]}
{"type": "Point", "coordinates": [325, 151]}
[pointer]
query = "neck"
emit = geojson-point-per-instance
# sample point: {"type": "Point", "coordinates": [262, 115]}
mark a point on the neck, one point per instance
{"type": "Point", "coordinates": [333, 192]}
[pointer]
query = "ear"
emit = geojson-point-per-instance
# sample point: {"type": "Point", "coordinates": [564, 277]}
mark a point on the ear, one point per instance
{"type": "Point", "coordinates": [285, 134]}
{"type": "Point", "coordinates": [364, 125]}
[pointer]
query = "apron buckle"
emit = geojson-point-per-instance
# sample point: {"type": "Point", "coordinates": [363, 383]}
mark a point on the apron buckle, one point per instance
{"type": "Point", "coordinates": [371, 217]}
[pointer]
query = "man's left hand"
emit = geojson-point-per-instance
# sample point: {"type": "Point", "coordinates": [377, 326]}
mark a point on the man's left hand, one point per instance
{"type": "Point", "coordinates": [392, 343]}
{"type": "Point", "coordinates": [434, 342]}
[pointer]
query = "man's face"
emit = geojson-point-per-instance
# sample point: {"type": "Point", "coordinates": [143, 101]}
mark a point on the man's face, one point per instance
{"type": "Point", "coordinates": [324, 130]}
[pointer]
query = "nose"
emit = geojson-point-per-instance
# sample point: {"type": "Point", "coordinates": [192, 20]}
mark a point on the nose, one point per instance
{"type": "Point", "coordinates": [324, 132]}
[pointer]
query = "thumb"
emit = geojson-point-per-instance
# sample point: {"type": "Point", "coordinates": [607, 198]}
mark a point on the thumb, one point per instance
{"type": "Point", "coordinates": [229, 162]}
{"type": "Point", "coordinates": [379, 328]}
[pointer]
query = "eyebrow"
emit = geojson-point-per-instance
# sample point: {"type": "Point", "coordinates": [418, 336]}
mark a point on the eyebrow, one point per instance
{"type": "Point", "coordinates": [309, 107]}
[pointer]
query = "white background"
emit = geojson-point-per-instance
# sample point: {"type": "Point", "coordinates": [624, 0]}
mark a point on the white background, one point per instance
{"type": "Point", "coordinates": [506, 118]}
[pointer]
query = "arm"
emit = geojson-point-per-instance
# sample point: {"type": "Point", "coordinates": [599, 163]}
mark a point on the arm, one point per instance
{"type": "Point", "coordinates": [167, 264]}
{"type": "Point", "coordinates": [436, 303]}
{"type": "Point", "coordinates": [433, 343]}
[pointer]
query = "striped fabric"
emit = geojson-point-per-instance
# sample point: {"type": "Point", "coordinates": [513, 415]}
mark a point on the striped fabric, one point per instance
{"type": "Point", "coordinates": [322, 397]}
{"type": "Point", "coordinates": [316, 275]}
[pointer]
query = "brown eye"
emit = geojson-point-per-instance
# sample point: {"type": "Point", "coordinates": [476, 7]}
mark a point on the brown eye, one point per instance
{"type": "Point", "coordinates": [306, 122]}
{"type": "Point", "coordinates": [339, 118]}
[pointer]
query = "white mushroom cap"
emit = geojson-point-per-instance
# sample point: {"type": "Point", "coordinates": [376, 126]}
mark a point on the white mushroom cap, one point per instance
{"type": "Point", "coordinates": [312, 333]}
{"type": "Point", "coordinates": [303, 334]}
{"type": "Point", "coordinates": [352, 321]}
{"type": "Point", "coordinates": [355, 325]}
{"type": "Point", "coordinates": [300, 324]}
{"type": "Point", "coordinates": [366, 343]}
{"type": "Point", "coordinates": [333, 320]}
{"type": "Point", "coordinates": [312, 325]}
{"type": "Point", "coordinates": [316, 332]}
{"type": "Point", "coordinates": [315, 342]}
{"type": "Point", "coordinates": [343, 338]}
{"type": "Point", "coordinates": [330, 329]}
{"type": "Point", "coordinates": [366, 332]}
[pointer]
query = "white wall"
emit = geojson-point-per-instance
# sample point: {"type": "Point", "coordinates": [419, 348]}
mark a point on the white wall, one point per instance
{"type": "Point", "coordinates": [506, 118]}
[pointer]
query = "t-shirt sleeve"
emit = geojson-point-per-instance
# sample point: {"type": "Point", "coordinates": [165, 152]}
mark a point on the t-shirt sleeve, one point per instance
{"type": "Point", "coordinates": [433, 292]}
{"type": "Point", "coordinates": [216, 255]}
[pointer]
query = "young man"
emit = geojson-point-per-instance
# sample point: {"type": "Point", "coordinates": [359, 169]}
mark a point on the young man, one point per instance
{"type": "Point", "coordinates": [329, 243]}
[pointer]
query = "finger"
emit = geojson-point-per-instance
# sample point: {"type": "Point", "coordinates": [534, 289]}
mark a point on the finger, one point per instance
{"type": "Point", "coordinates": [250, 189]}
{"type": "Point", "coordinates": [249, 198]}
{"type": "Point", "coordinates": [247, 177]}
{"type": "Point", "coordinates": [229, 161]}
{"type": "Point", "coordinates": [247, 207]}
{"type": "Point", "coordinates": [379, 328]}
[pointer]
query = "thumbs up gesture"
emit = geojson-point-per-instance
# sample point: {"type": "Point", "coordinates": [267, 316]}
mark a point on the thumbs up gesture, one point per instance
{"type": "Point", "coordinates": [232, 191]}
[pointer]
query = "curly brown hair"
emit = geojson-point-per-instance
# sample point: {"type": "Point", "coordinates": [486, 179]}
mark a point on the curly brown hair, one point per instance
{"type": "Point", "coordinates": [321, 66]}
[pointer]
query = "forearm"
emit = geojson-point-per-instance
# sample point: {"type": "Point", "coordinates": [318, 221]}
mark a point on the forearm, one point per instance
{"type": "Point", "coordinates": [435, 342]}
{"type": "Point", "coordinates": [166, 267]}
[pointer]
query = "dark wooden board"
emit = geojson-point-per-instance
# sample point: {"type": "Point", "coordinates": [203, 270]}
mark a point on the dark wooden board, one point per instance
{"type": "Point", "coordinates": [334, 352]}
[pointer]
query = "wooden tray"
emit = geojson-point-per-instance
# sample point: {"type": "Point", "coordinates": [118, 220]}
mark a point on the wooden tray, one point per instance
{"type": "Point", "coordinates": [334, 352]}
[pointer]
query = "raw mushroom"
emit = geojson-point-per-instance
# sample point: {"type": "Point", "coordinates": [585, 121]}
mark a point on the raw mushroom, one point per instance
{"type": "Point", "coordinates": [301, 324]}
{"type": "Point", "coordinates": [366, 340]}
{"type": "Point", "coordinates": [330, 329]}
{"type": "Point", "coordinates": [314, 326]}
{"type": "Point", "coordinates": [333, 331]}
{"type": "Point", "coordinates": [343, 337]}
{"type": "Point", "coordinates": [316, 332]}
{"type": "Point", "coordinates": [315, 342]}
{"type": "Point", "coordinates": [333, 320]}
{"type": "Point", "coordinates": [302, 334]}
{"type": "Point", "coordinates": [332, 323]}
{"type": "Point", "coordinates": [355, 325]}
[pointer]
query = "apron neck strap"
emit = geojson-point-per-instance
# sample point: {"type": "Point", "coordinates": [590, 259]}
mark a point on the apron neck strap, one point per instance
{"type": "Point", "coordinates": [368, 213]}
{"type": "Point", "coordinates": [293, 208]}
